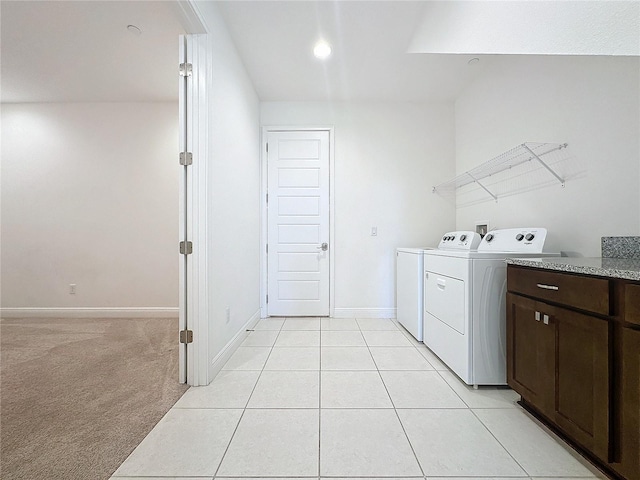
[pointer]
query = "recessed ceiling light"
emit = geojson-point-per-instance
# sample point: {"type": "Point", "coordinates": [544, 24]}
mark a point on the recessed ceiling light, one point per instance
{"type": "Point", "coordinates": [322, 50]}
{"type": "Point", "coordinates": [473, 61]}
{"type": "Point", "coordinates": [135, 30]}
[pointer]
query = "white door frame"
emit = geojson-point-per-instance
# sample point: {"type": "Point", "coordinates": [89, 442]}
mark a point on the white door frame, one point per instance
{"type": "Point", "coordinates": [193, 217]}
{"type": "Point", "coordinates": [263, 209]}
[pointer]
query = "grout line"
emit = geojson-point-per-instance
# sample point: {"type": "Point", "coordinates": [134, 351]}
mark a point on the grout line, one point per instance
{"type": "Point", "coordinates": [499, 442]}
{"type": "Point", "coordinates": [452, 389]}
{"type": "Point", "coordinates": [320, 408]}
{"type": "Point", "coordinates": [395, 410]}
{"type": "Point", "coordinates": [235, 430]}
{"type": "Point", "coordinates": [229, 443]}
{"type": "Point", "coordinates": [341, 408]}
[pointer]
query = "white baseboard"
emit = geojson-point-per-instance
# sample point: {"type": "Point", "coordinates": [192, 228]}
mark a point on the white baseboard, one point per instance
{"type": "Point", "coordinates": [219, 360]}
{"type": "Point", "coordinates": [91, 312]}
{"type": "Point", "coordinates": [364, 313]}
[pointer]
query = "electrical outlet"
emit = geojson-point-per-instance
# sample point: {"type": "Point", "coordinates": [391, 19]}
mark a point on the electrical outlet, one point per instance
{"type": "Point", "coordinates": [374, 231]}
{"type": "Point", "coordinates": [72, 289]}
{"type": "Point", "coordinates": [228, 310]}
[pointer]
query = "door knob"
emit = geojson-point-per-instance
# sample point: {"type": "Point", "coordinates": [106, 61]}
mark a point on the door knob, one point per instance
{"type": "Point", "coordinates": [324, 247]}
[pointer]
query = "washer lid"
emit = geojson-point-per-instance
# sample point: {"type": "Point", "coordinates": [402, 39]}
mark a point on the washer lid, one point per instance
{"type": "Point", "coordinates": [415, 251]}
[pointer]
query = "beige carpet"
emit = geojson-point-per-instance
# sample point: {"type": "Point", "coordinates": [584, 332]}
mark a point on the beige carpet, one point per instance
{"type": "Point", "coordinates": [78, 395]}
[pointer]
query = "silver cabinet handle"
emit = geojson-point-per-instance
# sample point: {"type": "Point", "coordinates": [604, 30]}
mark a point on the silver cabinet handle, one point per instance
{"type": "Point", "coordinates": [547, 287]}
{"type": "Point", "coordinates": [324, 247]}
{"type": "Point", "coordinates": [545, 317]}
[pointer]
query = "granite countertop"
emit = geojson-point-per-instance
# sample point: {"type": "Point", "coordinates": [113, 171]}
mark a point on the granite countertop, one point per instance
{"type": "Point", "coordinates": [625, 268]}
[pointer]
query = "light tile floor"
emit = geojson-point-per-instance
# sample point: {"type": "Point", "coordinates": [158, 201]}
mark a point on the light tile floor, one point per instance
{"type": "Point", "coordinates": [347, 398]}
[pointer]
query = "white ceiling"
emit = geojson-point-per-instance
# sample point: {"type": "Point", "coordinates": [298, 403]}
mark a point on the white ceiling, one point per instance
{"type": "Point", "coordinates": [54, 51]}
{"type": "Point", "coordinates": [81, 51]}
{"type": "Point", "coordinates": [57, 51]}
{"type": "Point", "coordinates": [369, 60]}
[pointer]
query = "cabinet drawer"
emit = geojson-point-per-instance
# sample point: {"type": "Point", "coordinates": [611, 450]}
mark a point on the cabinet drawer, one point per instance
{"type": "Point", "coordinates": [586, 293]}
{"type": "Point", "coordinates": [632, 303]}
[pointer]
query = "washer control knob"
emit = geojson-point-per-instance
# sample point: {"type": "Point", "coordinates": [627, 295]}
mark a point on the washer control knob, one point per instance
{"type": "Point", "coordinates": [463, 238]}
{"type": "Point", "coordinates": [489, 237]}
{"type": "Point", "coordinates": [519, 237]}
{"type": "Point", "coordinates": [445, 238]}
{"type": "Point", "coordinates": [529, 236]}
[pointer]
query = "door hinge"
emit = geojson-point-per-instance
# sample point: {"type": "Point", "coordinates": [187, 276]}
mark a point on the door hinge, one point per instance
{"type": "Point", "coordinates": [186, 69]}
{"type": "Point", "coordinates": [186, 248]}
{"type": "Point", "coordinates": [267, 298]}
{"type": "Point", "coordinates": [186, 336]}
{"type": "Point", "coordinates": [267, 148]}
{"type": "Point", "coordinates": [267, 248]}
{"type": "Point", "coordinates": [186, 158]}
{"type": "Point", "coordinates": [267, 198]}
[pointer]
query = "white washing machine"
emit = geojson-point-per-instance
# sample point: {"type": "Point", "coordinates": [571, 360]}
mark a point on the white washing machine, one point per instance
{"type": "Point", "coordinates": [465, 301]}
{"type": "Point", "coordinates": [409, 288]}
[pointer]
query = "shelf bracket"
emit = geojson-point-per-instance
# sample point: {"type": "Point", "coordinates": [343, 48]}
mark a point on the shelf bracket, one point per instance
{"type": "Point", "coordinates": [560, 179]}
{"type": "Point", "coordinates": [483, 187]}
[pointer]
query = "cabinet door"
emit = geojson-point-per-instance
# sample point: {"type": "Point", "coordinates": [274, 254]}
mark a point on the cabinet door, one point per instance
{"type": "Point", "coordinates": [530, 354]}
{"type": "Point", "coordinates": [631, 402]}
{"type": "Point", "coordinates": [582, 378]}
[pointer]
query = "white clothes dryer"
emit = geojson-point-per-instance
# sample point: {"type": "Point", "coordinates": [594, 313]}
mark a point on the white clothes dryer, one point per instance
{"type": "Point", "coordinates": [410, 275]}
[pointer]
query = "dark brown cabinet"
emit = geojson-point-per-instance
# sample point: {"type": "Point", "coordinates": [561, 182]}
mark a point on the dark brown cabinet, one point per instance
{"type": "Point", "coordinates": [573, 354]}
{"type": "Point", "coordinates": [531, 367]}
{"type": "Point", "coordinates": [560, 365]}
{"type": "Point", "coordinates": [582, 379]}
{"type": "Point", "coordinates": [586, 293]}
{"type": "Point", "coordinates": [630, 411]}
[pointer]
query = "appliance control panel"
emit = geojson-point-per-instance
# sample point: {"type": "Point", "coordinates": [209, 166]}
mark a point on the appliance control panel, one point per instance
{"type": "Point", "coordinates": [530, 240]}
{"type": "Point", "coordinates": [462, 240]}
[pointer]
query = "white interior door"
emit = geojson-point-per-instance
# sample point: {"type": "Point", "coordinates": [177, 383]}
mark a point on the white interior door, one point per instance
{"type": "Point", "coordinates": [298, 276]}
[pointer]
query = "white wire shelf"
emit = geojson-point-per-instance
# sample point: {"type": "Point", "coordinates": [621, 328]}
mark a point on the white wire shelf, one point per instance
{"type": "Point", "coordinates": [523, 153]}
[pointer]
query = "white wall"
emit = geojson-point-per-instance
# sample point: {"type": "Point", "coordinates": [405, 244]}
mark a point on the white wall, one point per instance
{"type": "Point", "coordinates": [593, 103]}
{"type": "Point", "coordinates": [90, 196]}
{"type": "Point", "coordinates": [234, 190]}
{"type": "Point", "coordinates": [387, 158]}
